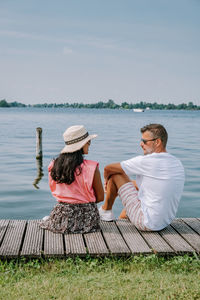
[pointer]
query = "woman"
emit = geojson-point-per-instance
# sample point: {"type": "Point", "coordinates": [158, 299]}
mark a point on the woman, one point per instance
{"type": "Point", "coordinates": [76, 184]}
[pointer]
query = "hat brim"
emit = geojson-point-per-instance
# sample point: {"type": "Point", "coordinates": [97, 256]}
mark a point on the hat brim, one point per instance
{"type": "Point", "coordinates": [77, 146]}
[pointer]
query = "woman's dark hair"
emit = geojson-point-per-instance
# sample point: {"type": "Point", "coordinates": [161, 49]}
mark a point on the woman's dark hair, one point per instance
{"type": "Point", "coordinates": [66, 165]}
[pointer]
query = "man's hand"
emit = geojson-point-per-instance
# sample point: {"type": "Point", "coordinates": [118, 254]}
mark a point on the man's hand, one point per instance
{"type": "Point", "coordinates": [135, 185]}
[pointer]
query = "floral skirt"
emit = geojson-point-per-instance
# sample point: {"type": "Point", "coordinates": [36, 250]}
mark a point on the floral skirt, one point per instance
{"type": "Point", "coordinates": [73, 218]}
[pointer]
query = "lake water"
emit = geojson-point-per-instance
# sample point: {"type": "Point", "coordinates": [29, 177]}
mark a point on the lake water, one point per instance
{"type": "Point", "coordinates": [118, 139]}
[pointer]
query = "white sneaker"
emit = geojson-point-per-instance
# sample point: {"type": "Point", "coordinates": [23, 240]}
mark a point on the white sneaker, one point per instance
{"type": "Point", "coordinates": [45, 218]}
{"type": "Point", "coordinates": [106, 215]}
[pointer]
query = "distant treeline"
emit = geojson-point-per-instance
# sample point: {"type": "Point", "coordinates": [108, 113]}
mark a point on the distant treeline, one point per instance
{"type": "Point", "coordinates": [4, 103]}
{"type": "Point", "coordinates": [109, 104]}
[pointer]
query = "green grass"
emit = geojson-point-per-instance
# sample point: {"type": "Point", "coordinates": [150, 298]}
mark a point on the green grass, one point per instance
{"type": "Point", "coordinates": [149, 277]}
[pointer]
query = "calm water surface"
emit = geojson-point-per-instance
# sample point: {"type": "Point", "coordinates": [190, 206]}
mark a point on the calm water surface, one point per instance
{"type": "Point", "coordinates": [118, 139]}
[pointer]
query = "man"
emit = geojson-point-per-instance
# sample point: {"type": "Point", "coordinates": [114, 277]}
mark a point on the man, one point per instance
{"type": "Point", "coordinates": [150, 202]}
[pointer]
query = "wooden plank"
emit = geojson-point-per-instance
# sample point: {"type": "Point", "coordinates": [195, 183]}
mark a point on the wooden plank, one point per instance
{"type": "Point", "coordinates": [12, 241]}
{"type": "Point", "coordinates": [175, 240]}
{"type": "Point", "coordinates": [74, 244]}
{"type": "Point", "coordinates": [187, 233]}
{"type": "Point", "coordinates": [95, 244]}
{"type": "Point", "coordinates": [132, 237]}
{"type": "Point", "coordinates": [53, 244]}
{"type": "Point", "coordinates": [183, 236]}
{"type": "Point", "coordinates": [32, 245]}
{"type": "Point", "coordinates": [113, 238]}
{"type": "Point", "coordinates": [3, 227]}
{"type": "Point", "coordinates": [193, 223]}
{"type": "Point", "coordinates": [156, 242]}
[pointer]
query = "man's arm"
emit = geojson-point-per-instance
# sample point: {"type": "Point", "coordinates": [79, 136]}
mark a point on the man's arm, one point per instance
{"type": "Point", "coordinates": [112, 169]}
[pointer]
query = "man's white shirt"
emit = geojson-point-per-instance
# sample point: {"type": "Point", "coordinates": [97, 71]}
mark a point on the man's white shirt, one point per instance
{"type": "Point", "coordinates": [160, 178]}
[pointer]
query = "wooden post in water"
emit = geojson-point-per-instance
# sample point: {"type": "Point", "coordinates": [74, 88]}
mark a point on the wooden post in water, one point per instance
{"type": "Point", "coordinates": [38, 143]}
{"type": "Point", "coordinates": [38, 157]}
{"type": "Point", "coordinates": [40, 173]}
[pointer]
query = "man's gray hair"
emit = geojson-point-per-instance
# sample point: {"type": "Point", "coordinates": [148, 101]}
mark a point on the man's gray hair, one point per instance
{"type": "Point", "coordinates": [158, 131]}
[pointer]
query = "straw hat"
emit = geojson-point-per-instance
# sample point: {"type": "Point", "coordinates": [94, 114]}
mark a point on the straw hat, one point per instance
{"type": "Point", "coordinates": [75, 137]}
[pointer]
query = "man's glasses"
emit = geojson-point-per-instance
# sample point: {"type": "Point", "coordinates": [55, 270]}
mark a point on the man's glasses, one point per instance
{"type": "Point", "coordinates": [145, 141]}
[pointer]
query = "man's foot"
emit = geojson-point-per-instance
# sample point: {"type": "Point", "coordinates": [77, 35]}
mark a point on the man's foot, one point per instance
{"type": "Point", "coordinates": [106, 215]}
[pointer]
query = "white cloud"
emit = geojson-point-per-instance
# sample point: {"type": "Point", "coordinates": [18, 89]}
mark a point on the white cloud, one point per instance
{"type": "Point", "coordinates": [77, 41]}
{"type": "Point", "coordinates": [67, 50]}
{"type": "Point", "coordinates": [21, 52]}
{"type": "Point", "coordinates": [18, 34]}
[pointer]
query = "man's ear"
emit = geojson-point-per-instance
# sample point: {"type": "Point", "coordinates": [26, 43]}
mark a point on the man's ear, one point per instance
{"type": "Point", "coordinates": [158, 142]}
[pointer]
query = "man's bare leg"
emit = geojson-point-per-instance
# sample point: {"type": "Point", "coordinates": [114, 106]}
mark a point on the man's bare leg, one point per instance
{"type": "Point", "coordinates": [111, 194]}
{"type": "Point", "coordinates": [113, 185]}
{"type": "Point", "coordinates": [123, 214]}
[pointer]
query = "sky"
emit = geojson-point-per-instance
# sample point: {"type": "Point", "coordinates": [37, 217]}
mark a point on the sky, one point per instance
{"type": "Point", "coordinates": [94, 50]}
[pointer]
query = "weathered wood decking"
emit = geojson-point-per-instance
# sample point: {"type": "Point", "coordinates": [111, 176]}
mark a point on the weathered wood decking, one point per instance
{"type": "Point", "coordinates": [26, 238]}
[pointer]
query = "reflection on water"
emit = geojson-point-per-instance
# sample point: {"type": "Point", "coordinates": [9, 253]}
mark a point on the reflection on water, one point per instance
{"type": "Point", "coordinates": [40, 174]}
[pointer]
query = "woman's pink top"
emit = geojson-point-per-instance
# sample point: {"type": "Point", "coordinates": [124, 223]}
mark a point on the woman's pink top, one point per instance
{"type": "Point", "coordinates": [80, 190]}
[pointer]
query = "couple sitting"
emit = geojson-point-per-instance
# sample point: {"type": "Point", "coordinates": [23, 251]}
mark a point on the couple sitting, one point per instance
{"type": "Point", "coordinates": [150, 202]}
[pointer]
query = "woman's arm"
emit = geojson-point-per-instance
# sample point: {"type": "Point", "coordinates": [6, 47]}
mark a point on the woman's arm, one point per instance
{"type": "Point", "coordinates": [97, 186]}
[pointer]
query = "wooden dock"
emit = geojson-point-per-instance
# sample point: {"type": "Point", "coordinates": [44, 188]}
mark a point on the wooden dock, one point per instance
{"type": "Point", "coordinates": [120, 238]}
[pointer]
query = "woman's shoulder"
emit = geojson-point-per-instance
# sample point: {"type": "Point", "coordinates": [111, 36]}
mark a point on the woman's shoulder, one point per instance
{"type": "Point", "coordinates": [50, 166]}
{"type": "Point", "coordinates": [88, 162]}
